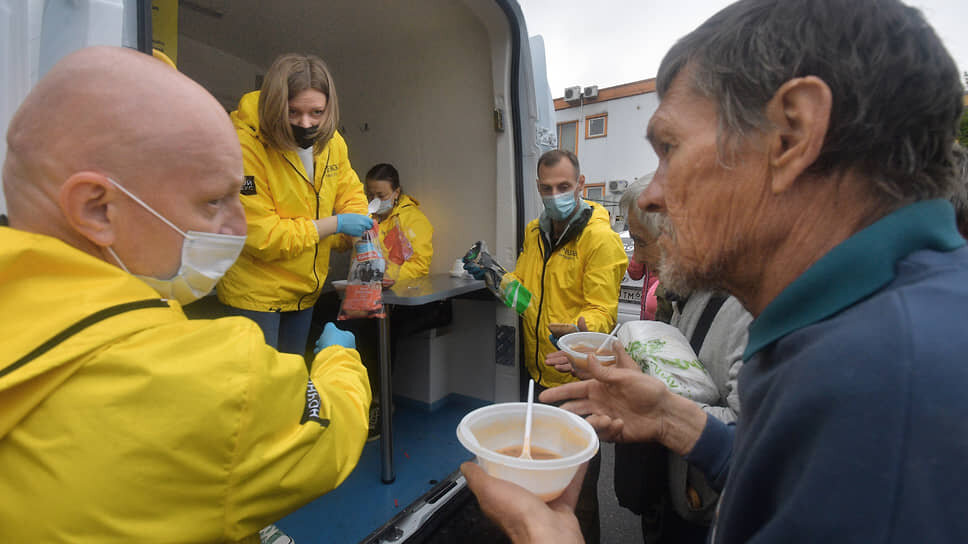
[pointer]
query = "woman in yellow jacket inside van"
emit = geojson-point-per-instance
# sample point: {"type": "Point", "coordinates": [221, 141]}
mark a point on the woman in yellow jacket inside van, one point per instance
{"type": "Point", "coordinates": [405, 233]}
{"type": "Point", "coordinates": [301, 198]}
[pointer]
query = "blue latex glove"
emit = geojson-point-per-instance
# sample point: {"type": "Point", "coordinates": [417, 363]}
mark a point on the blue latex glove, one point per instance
{"type": "Point", "coordinates": [554, 340]}
{"type": "Point", "coordinates": [333, 336]}
{"type": "Point", "coordinates": [474, 270]}
{"type": "Point", "coordinates": [353, 224]}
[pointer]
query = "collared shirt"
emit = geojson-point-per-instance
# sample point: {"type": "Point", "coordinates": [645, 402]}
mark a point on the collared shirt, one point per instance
{"type": "Point", "coordinates": [855, 269]}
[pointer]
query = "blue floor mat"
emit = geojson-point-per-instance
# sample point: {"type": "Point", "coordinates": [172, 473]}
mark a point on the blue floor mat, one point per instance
{"type": "Point", "coordinates": [425, 449]}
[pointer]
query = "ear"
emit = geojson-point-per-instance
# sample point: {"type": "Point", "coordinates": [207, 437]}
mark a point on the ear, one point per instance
{"type": "Point", "coordinates": [581, 181]}
{"type": "Point", "coordinates": [800, 113]}
{"type": "Point", "coordinates": [87, 201]}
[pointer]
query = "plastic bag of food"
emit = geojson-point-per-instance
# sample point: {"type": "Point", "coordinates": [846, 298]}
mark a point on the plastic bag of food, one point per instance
{"type": "Point", "coordinates": [498, 280]}
{"type": "Point", "coordinates": [399, 249]}
{"type": "Point", "coordinates": [364, 285]}
{"type": "Point", "coordinates": [662, 351]}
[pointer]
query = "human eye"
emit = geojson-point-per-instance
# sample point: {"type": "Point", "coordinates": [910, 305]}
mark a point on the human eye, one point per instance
{"type": "Point", "coordinates": [662, 147]}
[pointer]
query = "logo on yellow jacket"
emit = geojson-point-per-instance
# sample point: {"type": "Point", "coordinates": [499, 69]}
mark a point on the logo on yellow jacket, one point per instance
{"type": "Point", "coordinates": [313, 403]}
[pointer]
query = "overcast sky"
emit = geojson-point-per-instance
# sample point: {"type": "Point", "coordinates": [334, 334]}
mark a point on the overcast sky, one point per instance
{"type": "Point", "coordinates": [610, 42]}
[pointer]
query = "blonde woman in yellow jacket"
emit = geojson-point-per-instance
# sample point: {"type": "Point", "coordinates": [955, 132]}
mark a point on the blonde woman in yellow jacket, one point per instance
{"type": "Point", "coordinates": [301, 198]}
{"type": "Point", "coordinates": [406, 236]}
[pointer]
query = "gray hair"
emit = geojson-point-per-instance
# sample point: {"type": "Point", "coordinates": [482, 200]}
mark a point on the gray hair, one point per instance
{"type": "Point", "coordinates": [897, 95]}
{"type": "Point", "coordinates": [649, 220]}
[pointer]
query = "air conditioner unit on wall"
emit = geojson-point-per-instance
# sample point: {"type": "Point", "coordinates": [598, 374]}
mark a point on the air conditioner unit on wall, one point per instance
{"type": "Point", "coordinates": [572, 94]}
{"type": "Point", "coordinates": [617, 186]}
{"type": "Point", "coordinates": [590, 93]}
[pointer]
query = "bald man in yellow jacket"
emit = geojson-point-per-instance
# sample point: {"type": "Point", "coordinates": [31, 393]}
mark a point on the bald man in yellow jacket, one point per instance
{"type": "Point", "coordinates": [120, 419]}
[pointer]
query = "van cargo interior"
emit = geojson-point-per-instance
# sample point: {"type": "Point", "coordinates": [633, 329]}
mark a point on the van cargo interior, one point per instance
{"type": "Point", "coordinates": [419, 84]}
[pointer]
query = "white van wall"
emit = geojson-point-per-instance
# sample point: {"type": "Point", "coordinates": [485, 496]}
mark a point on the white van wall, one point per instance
{"type": "Point", "coordinates": [225, 75]}
{"type": "Point", "coordinates": [425, 106]}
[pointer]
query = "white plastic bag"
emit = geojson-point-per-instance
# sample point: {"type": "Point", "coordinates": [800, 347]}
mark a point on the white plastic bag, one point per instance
{"type": "Point", "coordinates": [662, 351]}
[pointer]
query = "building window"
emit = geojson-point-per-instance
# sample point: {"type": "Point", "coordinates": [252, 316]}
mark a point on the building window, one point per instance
{"type": "Point", "coordinates": [568, 136]}
{"type": "Point", "coordinates": [594, 192]}
{"type": "Point", "coordinates": [596, 126]}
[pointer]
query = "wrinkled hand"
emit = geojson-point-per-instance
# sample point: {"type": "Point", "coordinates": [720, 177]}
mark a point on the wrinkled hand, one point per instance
{"type": "Point", "coordinates": [522, 515]}
{"type": "Point", "coordinates": [559, 360]}
{"type": "Point", "coordinates": [625, 405]}
{"type": "Point", "coordinates": [474, 270]}
{"type": "Point", "coordinates": [333, 336]}
{"type": "Point", "coordinates": [353, 224]}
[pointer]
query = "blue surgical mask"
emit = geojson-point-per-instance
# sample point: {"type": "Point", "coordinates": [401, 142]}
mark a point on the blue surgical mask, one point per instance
{"type": "Point", "coordinates": [560, 206]}
{"type": "Point", "coordinates": [205, 257]}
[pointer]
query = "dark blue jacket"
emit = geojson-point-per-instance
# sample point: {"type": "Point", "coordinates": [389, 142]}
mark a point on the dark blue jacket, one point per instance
{"type": "Point", "coordinates": [853, 426]}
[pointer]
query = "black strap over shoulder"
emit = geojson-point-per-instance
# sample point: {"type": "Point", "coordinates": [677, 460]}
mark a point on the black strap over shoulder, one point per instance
{"type": "Point", "coordinates": [81, 325]}
{"type": "Point", "coordinates": [705, 321]}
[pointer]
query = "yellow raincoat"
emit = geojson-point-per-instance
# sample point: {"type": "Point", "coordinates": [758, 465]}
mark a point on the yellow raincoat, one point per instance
{"type": "Point", "coordinates": [578, 278]}
{"type": "Point", "coordinates": [284, 263]}
{"type": "Point", "coordinates": [144, 426]}
{"type": "Point", "coordinates": [409, 248]}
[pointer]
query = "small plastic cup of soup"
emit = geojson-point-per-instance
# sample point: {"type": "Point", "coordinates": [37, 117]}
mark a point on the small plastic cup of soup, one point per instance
{"type": "Point", "coordinates": [578, 345]}
{"type": "Point", "coordinates": [560, 442]}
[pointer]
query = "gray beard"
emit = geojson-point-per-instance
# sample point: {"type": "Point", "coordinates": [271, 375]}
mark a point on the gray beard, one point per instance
{"type": "Point", "coordinates": [684, 278]}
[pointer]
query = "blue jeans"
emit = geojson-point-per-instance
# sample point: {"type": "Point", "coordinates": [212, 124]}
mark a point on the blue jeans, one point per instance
{"type": "Point", "coordinates": [288, 332]}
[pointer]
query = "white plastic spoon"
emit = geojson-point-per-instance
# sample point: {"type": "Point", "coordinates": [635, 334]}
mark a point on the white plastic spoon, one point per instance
{"type": "Point", "coordinates": [609, 338]}
{"type": "Point", "coordinates": [526, 447]}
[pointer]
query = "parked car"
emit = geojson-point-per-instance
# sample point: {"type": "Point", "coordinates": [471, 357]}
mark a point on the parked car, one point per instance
{"type": "Point", "coordinates": [630, 293]}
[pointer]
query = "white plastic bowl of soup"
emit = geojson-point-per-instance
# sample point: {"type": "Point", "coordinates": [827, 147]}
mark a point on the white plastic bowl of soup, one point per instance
{"type": "Point", "coordinates": [560, 442]}
{"type": "Point", "coordinates": [578, 345]}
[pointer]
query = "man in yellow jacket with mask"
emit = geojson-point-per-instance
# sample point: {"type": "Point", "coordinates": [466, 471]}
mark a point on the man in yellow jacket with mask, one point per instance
{"type": "Point", "coordinates": [120, 419]}
{"type": "Point", "coordinates": [572, 263]}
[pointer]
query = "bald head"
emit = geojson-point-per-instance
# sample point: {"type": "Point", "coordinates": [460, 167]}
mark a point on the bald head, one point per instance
{"type": "Point", "coordinates": [117, 113]}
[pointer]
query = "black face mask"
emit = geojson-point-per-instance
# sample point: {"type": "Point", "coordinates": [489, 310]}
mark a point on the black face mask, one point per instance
{"type": "Point", "coordinates": [305, 137]}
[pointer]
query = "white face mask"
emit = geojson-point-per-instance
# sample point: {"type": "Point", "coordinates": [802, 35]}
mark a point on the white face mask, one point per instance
{"type": "Point", "coordinates": [380, 207]}
{"type": "Point", "coordinates": [205, 257]}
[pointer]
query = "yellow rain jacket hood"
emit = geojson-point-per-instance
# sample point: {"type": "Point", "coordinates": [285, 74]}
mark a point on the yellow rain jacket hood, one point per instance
{"type": "Point", "coordinates": [284, 263]}
{"type": "Point", "coordinates": [123, 421]}
{"type": "Point", "coordinates": [406, 238]}
{"type": "Point", "coordinates": [576, 277]}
